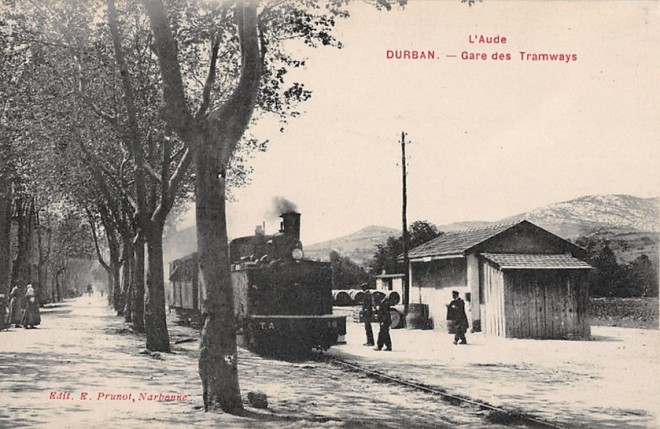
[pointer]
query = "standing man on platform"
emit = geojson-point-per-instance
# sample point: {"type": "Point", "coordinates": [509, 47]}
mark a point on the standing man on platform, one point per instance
{"type": "Point", "coordinates": [367, 313]}
{"type": "Point", "coordinates": [384, 320]}
{"type": "Point", "coordinates": [456, 316]}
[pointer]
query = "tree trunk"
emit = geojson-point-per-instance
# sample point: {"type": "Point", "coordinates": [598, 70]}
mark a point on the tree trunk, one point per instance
{"type": "Point", "coordinates": [5, 214]}
{"type": "Point", "coordinates": [43, 289]}
{"type": "Point", "coordinates": [111, 281]}
{"type": "Point", "coordinates": [5, 228]}
{"type": "Point", "coordinates": [115, 299]}
{"type": "Point", "coordinates": [127, 280]}
{"type": "Point", "coordinates": [218, 366]}
{"type": "Point", "coordinates": [155, 321]}
{"type": "Point", "coordinates": [43, 284]}
{"type": "Point", "coordinates": [20, 274]}
{"type": "Point", "coordinates": [138, 286]}
{"type": "Point", "coordinates": [58, 286]}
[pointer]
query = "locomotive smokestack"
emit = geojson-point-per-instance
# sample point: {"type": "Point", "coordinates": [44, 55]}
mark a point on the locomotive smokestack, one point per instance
{"type": "Point", "coordinates": [290, 224]}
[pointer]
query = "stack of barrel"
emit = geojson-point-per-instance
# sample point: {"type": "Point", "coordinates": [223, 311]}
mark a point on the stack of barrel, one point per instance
{"type": "Point", "coordinates": [344, 298]}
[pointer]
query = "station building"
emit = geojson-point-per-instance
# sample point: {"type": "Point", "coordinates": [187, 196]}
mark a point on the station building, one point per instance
{"type": "Point", "coordinates": [518, 281]}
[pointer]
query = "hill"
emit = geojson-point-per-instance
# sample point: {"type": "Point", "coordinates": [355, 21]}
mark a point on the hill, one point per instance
{"type": "Point", "coordinates": [359, 246]}
{"type": "Point", "coordinates": [458, 226]}
{"type": "Point", "coordinates": [585, 215]}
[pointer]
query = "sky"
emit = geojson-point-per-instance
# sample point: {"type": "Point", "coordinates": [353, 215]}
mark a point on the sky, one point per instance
{"type": "Point", "coordinates": [489, 138]}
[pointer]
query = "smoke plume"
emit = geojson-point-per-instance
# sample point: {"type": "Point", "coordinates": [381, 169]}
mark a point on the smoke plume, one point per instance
{"type": "Point", "coordinates": [282, 205]}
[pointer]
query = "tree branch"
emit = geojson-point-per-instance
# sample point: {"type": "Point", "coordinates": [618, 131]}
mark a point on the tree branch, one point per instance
{"type": "Point", "coordinates": [175, 112]}
{"type": "Point", "coordinates": [173, 187]}
{"type": "Point", "coordinates": [79, 90]}
{"type": "Point", "coordinates": [129, 93]}
{"type": "Point", "coordinates": [181, 151]}
{"type": "Point", "coordinates": [131, 110]}
{"type": "Point", "coordinates": [113, 242]}
{"type": "Point", "coordinates": [232, 119]}
{"type": "Point", "coordinates": [94, 168]}
{"type": "Point", "coordinates": [150, 170]}
{"type": "Point", "coordinates": [109, 118]}
{"type": "Point", "coordinates": [92, 224]}
{"type": "Point", "coordinates": [210, 78]}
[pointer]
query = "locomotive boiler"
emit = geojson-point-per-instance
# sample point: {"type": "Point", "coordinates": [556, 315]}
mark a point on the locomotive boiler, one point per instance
{"type": "Point", "coordinates": [282, 302]}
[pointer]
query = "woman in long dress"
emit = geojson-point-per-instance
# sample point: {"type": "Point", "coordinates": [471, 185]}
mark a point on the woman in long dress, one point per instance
{"type": "Point", "coordinates": [31, 315]}
{"type": "Point", "coordinates": [15, 311]}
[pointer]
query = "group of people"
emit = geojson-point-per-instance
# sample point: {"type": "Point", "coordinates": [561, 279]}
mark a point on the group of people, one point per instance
{"type": "Point", "coordinates": [384, 320]}
{"type": "Point", "coordinates": [23, 308]}
{"type": "Point", "coordinates": [456, 317]}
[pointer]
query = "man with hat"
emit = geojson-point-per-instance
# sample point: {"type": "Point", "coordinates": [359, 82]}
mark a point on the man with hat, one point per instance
{"type": "Point", "coordinates": [384, 320]}
{"type": "Point", "coordinates": [457, 317]}
{"type": "Point", "coordinates": [367, 313]}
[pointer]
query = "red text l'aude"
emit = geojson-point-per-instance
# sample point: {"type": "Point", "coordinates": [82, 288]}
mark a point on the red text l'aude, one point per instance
{"type": "Point", "coordinates": [487, 40]}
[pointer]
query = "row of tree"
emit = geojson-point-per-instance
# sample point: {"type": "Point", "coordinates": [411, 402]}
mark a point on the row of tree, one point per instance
{"type": "Point", "coordinates": [639, 278]}
{"type": "Point", "coordinates": [386, 260]}
{"type": "Point", "coordinates": [117, 111]}
{"type": "Point", "coordinates": [46, 247]}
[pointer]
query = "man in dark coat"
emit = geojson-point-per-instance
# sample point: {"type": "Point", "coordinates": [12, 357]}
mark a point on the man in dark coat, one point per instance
{"type": "Point", "coordinates": [384, 320]}
{"type": "Point", "coordinates": [456, 314]}
{"type": "Point", "coordinates": [367, 314]}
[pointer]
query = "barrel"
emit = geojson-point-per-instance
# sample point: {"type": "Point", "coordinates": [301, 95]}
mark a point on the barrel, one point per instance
{"type": "Point", "coordinates": [341, 298]}
{"type": "Point", "coordinates": [357, 296]}
{"type": "Point", "coordinates": [377, 296]}
{"type": "Point", "coordinates": [394, 297]}
{"type": "Point", "coordinates": [397, 318]}
{"type": "Point", "coordinates": [418, 316]}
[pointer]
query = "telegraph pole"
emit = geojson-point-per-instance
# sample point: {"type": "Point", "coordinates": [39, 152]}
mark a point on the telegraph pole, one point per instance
{"type": "Point", "coordinates": [406, 274]}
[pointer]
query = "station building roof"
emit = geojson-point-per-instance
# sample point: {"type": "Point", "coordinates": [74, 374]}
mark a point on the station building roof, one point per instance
{"type": "Point", "coordinates": [509, 261]}
{"type": "Point", "coordinates": [457, 244]}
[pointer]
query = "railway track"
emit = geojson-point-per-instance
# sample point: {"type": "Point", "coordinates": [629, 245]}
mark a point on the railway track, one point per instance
{"type": "Point", "coordinates": [496, 414]}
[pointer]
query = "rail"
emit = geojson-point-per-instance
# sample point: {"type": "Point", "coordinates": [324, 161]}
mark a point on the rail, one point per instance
{"type": "Point", "coordinates": [507, 414]}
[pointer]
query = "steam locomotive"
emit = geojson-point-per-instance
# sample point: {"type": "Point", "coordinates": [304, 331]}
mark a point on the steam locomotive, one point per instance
{"type": "Point", "coordinates": [282, 302]}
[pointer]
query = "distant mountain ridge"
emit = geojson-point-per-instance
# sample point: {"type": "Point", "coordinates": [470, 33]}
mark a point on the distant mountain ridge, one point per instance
{"type": "Point", "coordinates": [359, 246]}
{"type": "Point", "coordinates": [630, 222]}
{"type": "Point", "coordinates": [583, 215]}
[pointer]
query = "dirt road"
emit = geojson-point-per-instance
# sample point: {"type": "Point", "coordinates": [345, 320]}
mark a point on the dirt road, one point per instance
{"type": "Point", "coordinates": [81, 368]}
